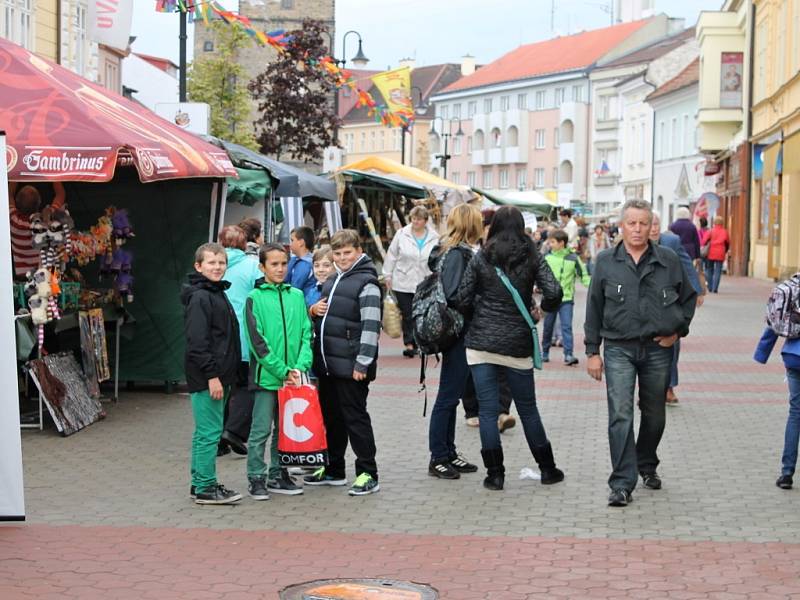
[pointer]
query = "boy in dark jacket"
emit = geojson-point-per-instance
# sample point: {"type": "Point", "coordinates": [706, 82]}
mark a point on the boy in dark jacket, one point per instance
{"type": "Point", "coordinates": [347, 324]}
{"type": "Point", "coordinates": [213, 354]}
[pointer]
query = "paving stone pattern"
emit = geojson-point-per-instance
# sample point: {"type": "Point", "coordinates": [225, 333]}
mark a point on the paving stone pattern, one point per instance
{"type": "Point", "coordinates": [109, 514]}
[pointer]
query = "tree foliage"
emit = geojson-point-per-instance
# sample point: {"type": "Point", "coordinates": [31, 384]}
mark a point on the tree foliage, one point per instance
{"type": "Point", "coordinates": [296, 115]}
{"type": "Point", "coordinates": [221, 81]}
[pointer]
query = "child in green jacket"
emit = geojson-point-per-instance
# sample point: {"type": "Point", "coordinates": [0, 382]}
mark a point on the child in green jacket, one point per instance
{"type": "Point", "coordinates": [279, 333]}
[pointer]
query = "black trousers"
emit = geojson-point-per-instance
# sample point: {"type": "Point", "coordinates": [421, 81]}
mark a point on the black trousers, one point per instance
{"type": "Point", "coordinates": [344, 410]}
{"type": "Point", "coordinates": [239, 408]}
{"type": "Point", "coordinates": [404, 300]}
{"type": "Point", "coordinates": [470, 399]}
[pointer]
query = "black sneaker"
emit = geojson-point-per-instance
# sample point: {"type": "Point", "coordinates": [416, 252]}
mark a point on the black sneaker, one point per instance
{"type": "Point", "coordinates": [363, 485]}
{"type": "Point", "coordinates": [443, 470]}
{"type": "Point", "coordinates": [321, 477]}
{"type": "Point", "coordinates": [218, 495]}
{"type": "Point", "coordinates": [283, 484]}
{"type": "Point", "coordinates": [237, 444]}
{"type": "Point", "coordinates": [785, 482]}
{"type": "Point", "coordinates": [223, 449]}
{"type": "Point", "coordinates": [570, 360]}
{"type": "Point", "coordinates": [461, 465]}
{"type": "Point", "coordinates": [192, 493]}
{"type": "Point", "coordinates": [651, 480]}
{"type": "Point", "coordinates": [258, 488]}
{"type": "Point", "coordinates": [619, 498]}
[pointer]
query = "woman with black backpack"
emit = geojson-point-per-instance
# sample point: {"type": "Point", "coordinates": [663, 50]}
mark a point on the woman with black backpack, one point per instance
{"type": "Point", "coordinates": [450, 259]}
{"type": "Point", "coordinates": [497, 289]}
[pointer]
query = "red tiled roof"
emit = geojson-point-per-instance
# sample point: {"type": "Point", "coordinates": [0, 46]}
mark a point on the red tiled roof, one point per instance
{"type": "Point", "coordinates": [689, 76]}
{"type": "Point", "coordinates": [157, 61]}
{"type": "Point", "coordinates": [551, 56]}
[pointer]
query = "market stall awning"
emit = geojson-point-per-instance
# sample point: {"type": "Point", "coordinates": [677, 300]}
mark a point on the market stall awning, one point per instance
{"type": "Point", "coordinates": [543, 209]}
{"type": "Point", "coordinates": [292, 182]}
{"type": "Point", "coordinates": [62, 127]}
{"type": "Point", "coordinates": [380, 182]}
{"type": "Point", "coordinates": [393, 169]}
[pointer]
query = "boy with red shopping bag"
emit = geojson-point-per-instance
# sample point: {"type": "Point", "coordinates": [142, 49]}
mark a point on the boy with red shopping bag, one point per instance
{"type": "Point", "coordinates": [279, 333]}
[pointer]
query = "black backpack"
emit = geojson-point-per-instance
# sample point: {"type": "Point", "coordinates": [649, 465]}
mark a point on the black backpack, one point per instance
{"type": "Point", "coordinates": [437, 327]}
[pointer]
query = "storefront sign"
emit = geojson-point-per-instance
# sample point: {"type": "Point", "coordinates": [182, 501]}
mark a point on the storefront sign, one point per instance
{"type": "Point", "coordinates": [12, 499]}
{"type": "Point", "coordinates": [731, 80]}
{"type": "Point", "coordinates": [110, 22]}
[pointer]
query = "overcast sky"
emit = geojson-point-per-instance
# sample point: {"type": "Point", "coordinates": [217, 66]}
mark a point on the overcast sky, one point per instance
{"type": "Point", "coordinates": [432, 31]}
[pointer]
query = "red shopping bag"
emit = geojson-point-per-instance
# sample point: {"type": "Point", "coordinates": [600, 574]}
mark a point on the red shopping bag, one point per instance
{"type": "Point", "coordinates": [302, 441]}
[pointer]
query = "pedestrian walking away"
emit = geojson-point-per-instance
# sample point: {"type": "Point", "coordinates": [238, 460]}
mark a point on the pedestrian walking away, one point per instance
{"type": "Point", "coordinates": [719, 244]}
{"type": "Point", "coordinates": [567, 268]}
{"type": "Point", "coordinates": [406, 266]}
{"type": "Point", "coordinates": [640, 303]}
{"type": "Point", "coordinates": [213, 354]}
{"type": "Point", "coordinates": [345, 361]}
{"type": "Point", "coordinates": [683, 227]}
{"type": "Point", "coordinates": [279, 335]}
{"type": "Point", "coordinates": [497, 289]}
{"type": "Point", "coordinates": [450, 259]}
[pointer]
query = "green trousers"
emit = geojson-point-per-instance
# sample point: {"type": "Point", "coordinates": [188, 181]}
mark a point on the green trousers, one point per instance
{"type": "Point", "coordinates": [265, 420]}
{"type": "Point", "coordinates": [208, 416]}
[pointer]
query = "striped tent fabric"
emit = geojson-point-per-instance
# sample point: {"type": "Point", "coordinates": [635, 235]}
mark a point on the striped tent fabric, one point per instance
{"type": "Point", "coordinates": [333, 215]}
{"type": "Point", "coordinates": [292, 216]}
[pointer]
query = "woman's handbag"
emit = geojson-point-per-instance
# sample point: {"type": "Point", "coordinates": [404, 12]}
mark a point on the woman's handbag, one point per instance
{"type": "Point", "coordinates": [392, 318]}
{"type": "Point", "coordinates": [537, 353]}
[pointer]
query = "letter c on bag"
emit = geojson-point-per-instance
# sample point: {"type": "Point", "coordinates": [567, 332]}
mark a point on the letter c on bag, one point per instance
{"type": "Point", "coordinates": [295, 406]}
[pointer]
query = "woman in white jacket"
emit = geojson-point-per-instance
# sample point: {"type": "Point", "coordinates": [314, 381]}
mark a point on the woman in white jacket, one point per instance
{"type": "Point", "coordinates": [406, 266]}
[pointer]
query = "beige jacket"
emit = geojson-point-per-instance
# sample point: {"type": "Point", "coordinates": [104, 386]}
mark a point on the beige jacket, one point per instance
{"type": "Point", "coordinates": [405, 263]}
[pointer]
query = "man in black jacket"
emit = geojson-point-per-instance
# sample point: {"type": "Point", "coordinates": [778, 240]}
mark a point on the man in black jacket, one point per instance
{"type": "Point", "coordinates": [640, 303]}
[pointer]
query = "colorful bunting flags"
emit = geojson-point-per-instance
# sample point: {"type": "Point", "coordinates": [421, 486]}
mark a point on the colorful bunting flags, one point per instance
{"type": "Point", "coordinates": [206, 10]}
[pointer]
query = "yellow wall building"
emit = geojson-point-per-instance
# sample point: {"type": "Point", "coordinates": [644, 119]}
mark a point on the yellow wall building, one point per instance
{"type": "Point", "coordinates": [32, 24]}
{"type": "Point", "coordinates": [775, 199]}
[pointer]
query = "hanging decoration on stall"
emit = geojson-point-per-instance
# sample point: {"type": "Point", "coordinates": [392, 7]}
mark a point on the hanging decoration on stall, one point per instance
{"type": "Point", "coordinates": [401, 116]}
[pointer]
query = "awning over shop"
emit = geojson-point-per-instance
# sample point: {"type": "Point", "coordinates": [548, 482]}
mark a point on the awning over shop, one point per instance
{"type": "Point", "coordinates": [365, 179]}
{"type": "Point", "coordinates": [543, 209]}
{"type": "Point", "coordinates": [62, 127]}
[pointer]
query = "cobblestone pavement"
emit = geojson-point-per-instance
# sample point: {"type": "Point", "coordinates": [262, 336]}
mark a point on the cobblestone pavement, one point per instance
{"type": "Point", "coordinates": [109, 514]}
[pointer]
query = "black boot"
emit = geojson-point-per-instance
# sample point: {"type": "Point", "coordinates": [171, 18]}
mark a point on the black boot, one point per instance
{"type": "Point", "coordinates": [495, 471]}
{"type": "Point", "coordinates": [547, 464]}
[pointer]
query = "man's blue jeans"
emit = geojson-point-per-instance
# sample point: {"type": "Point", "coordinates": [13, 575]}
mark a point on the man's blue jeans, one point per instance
{"type": "Point", "coordinates": [564, 314]}
{"type": "Point", "coordinates": [673, 369]}
{"type": "Point", "coordinates": [624, 364]}
{"type": "Point", "coordinates": [792, 435]}
{"type": "Point", "coordinates": [452, 381]}
{"type": "Point", "coordinates": [522, 390]}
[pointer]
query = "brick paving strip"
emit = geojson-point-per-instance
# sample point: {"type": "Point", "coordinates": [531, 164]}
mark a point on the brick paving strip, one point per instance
{"type": "Point", "coordinates": [116, 563]}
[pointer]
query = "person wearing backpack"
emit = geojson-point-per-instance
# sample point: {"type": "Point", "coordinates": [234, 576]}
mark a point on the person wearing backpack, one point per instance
{"type": "Point", "coordinates": [497, 289]}
{"type": "Point", "coordinates": [567, 268]}
{"type": "Point", "coordinates": [783, 320]}
{"type": "Point", "coordinates": [449, 260]}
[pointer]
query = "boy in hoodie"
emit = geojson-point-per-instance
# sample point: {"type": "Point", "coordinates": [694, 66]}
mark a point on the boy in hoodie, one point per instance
{"type": "Point", "coordinates": [280, 350]}
{"type": "Point", "coordinates": [567, 268]}
{"type": "Point", "coordinates": [347, 324]}
{"type": "Point", "coordinates": [212, 360]}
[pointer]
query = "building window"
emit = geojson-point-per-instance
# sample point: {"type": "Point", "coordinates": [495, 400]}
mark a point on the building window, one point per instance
{"type": "Point", "coordinates": [566, 172]}
{"type": "Point", "coordinates": [487, 105]}
{"type": "Point", "coordinates": [556, 137]}
{"type": "Point", "coordinates": [761, 59]}
{"type": "Point", "coordinates": [372, 141]}
{"type": "Point", "coordinates": [81, 41]}
{"type": "Point", "coordinates": [541, 99]}
{"type": "Point", "coordinates": [503, 176]}
{"type": "Point", "coordinates": [687, 136]}
{"type": "Point", "coordinates": [480, 143]}
{"type": "Point", "coordinates": [363, 141]}
{"type": "Point", "coordinates": [111, 75]}
{"type": "Point", "coordinates": [457, 144]}
{"type": "Point", "coordinates": [512, 136]}
{"type": "Point", "coordinates": [350, 142]}
{"type": "Point", "coordinates": [287, 4]}
{"type": "Point", "coordinates": [561, 95]}
{"type": "Point", "coordinates": [471, 179]}
{"type": "Point", "coordinates": [522, 176]}
{"type": "Point", "coordinates": [456, 111]}
{"type": "Point", "coordinates": [208, 46]}
{"type": "Point", "coordinates": [455, 177]}
{"type": "Point", "coordinates": [577, 93]}
{"type": "Point", "coordinates": [674, 136]}
{"type": "Point", "coordinates": [383, 140]}
{"type": "Point", "coordinates": [16, 22]}
{"type": "Point", "coordinates": [472, 108]}
{"type": "Point", "coordinates": [522, 101]}
{"type": "Point", "coordinates": [555, 176]}
{"type": "Point", "coordinates": [497, 138]}
{"type": "Point", "coordinates": [504, 103]}
{"type": "Point", "coordinates": [398, 139]}
{"type": "Point", "coordinates": [643, 142]}
{"type": "Point", "coordinates": [444, 112]}
{"type": "Point", "coordinates": [538, 178]}
{"type": "Point", "coordinates": [662, 140]}
{"type": "Point", "coordinates": [469, 144]}
{"type": "Point", "coordinates": [487, 179]}
{"type": "Point", "coordinates": [539, 139]}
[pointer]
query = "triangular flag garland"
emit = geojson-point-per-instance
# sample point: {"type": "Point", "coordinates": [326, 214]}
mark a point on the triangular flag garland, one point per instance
{"type": "Point", "coordinates": [207, 10]}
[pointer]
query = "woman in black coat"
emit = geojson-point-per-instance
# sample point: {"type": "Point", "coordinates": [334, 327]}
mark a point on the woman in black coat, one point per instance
{"type": "Point", "coordinates": [499, 338]}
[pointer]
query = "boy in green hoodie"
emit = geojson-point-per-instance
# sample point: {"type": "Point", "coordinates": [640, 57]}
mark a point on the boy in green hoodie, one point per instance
{"type": "Point", "coordinates": [567, 267]}
{"type": "Point", "coordinates": [279, 333]}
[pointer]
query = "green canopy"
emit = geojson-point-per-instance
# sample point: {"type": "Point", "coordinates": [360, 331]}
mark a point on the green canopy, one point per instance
{"type": "Point", "coordinates": [365, 179]}
{"type": "Point", "coordinates": [544, 210]}
{"type": "Point", "coordinates": [252, 186]}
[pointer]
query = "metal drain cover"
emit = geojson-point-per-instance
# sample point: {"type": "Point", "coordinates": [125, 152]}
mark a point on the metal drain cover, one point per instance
{"type": "Point", "coordinates": [359, 589]}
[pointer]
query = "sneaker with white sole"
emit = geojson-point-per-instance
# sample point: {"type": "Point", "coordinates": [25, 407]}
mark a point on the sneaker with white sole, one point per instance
{"type": "Point", "coordinates": [283, 484]}
{"type": "Point", "coordinates": [363, 485]}
{"type": "Point", "coordinates": [321, 477]}
{"type": "Point", "coordinates": [258, 488]}
{"type": "Point", "coordinates": [217, 495]}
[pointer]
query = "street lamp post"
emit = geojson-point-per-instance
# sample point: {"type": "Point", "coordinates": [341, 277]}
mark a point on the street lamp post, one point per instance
{"type": "Point", "coordinates": [420, 109]}
{"type": "Point", "coordinates": [359, 60]}
{"type": "Point", "coordinates": [446, 135]}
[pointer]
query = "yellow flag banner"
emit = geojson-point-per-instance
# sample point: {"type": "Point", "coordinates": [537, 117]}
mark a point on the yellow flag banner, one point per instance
{"type": "Point", "coordinates": [395, 87]}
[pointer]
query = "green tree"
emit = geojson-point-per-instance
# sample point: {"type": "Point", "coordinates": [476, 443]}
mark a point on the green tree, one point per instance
{"type": "Point", "coordinates": [221, 81]}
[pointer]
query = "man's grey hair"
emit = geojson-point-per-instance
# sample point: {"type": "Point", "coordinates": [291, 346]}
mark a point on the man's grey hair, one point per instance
{"type": "Point", "coordinates": [637, 205]}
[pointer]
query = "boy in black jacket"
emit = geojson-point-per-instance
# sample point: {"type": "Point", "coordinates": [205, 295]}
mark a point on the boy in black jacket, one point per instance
{"type": "Point", "coordinates": [213, 354]}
